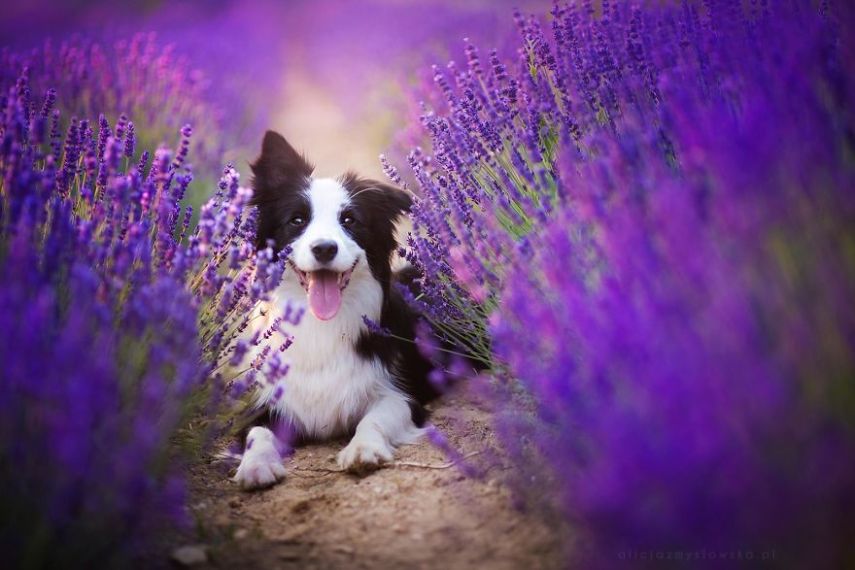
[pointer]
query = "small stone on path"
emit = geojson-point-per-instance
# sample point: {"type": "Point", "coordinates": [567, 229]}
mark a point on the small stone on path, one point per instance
{"type": "Point", "coordinates": [190, 555]}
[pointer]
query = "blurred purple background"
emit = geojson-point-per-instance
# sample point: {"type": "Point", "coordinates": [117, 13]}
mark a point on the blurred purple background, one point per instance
{"type": "Point", "coordinates": [332, 76]}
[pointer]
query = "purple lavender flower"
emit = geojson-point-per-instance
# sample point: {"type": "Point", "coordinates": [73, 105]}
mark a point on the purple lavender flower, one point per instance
{"type": "Point", "coordinates": [375, 327]}
{"type": "Point", "coordinates": [132, 78]}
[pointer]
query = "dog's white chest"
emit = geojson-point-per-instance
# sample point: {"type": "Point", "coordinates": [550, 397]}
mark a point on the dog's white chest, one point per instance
{"type": "Point", "coordinates": [329, 387]}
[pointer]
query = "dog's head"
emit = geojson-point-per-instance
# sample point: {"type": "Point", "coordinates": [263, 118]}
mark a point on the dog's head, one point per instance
{"type": "Point", "coordinates": [337, 229]}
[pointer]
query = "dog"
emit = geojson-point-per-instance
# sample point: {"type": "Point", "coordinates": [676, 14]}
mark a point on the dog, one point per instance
{"type": "Point", "coordinates": [345, 377]}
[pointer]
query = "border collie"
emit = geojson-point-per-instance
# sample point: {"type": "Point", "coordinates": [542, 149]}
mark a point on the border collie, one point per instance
{"type": "Point", "coordinates": [343, 378]}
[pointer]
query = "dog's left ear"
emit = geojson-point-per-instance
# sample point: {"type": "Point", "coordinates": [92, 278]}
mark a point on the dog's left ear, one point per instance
{"type": "Point", "coordinates": [377, 197]}
{"type": "Point", "coordinates": [397, 201]}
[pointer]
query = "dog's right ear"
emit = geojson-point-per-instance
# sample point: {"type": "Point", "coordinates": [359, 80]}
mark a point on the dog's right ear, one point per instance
{"type": "Point", "coordinates": [279, 174]}
{"type": "Point", "coordinates": [278, 168]}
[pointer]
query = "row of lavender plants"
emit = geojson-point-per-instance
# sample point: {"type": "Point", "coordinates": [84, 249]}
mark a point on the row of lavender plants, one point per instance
{"type": "Point", "coordinates": [114, 313]}
{"type": "Point", "coordinates": [139, 77]}
{"type": "Point", "coordinates": [645, 225]}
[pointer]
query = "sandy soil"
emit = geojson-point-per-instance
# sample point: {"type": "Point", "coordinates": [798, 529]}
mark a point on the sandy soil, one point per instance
{"type": "Point", "coordinates": [415, 513]}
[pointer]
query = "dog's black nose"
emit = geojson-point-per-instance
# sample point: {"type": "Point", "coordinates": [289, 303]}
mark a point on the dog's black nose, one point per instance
{"type": "Point", "coordinates": [325, 251]}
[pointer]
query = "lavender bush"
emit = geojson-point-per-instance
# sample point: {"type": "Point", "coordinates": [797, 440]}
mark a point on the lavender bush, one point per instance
{"type": "Point", "coordinates": [129, 77]}
{"type": "Point", "coordinates": [114, 312]}
{"type": "Point", "coordinates": [652, 216]}
{"type": "Point", "coordinates": [226, 60]}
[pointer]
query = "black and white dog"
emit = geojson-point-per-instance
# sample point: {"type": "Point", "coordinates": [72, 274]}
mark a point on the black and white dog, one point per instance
{"type": "Point", "coordinates": [343, 377]}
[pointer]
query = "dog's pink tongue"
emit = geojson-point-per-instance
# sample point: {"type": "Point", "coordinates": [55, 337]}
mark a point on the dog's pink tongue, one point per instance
{"type": "Point", "coordinates": [324, 294]}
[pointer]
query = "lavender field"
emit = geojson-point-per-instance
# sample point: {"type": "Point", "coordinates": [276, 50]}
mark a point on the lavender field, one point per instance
{"type": "Point", "coordinates": [634, 221]}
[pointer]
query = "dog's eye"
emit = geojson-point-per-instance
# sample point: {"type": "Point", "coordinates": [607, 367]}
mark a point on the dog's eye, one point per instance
{"type": "Point", "coordinates": [298, 221]}
{"type": "Point", "coordinates": [347, 220]}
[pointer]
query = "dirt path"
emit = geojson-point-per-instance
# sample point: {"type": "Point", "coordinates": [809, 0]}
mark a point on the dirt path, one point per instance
{"type": "Point", "coordinates": [402, 516]}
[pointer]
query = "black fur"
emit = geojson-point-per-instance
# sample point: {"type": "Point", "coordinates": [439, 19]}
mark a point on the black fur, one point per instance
{"type": "Point", "coordinates": [401, 357]}
{"type": "Point", "coordinates": [375, 207]}
{"type": "Point", "coordinates": [280, 175]}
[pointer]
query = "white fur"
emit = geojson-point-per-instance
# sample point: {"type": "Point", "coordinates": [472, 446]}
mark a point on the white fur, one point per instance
{"type": "Point", "coordinates": [386, 425]}
{"type": "Point", "coordinates": [261, 465]}
{"type": "Point", "coordinates": [330, 390]}
{"type": "Point", "coordinates": [328, 198]}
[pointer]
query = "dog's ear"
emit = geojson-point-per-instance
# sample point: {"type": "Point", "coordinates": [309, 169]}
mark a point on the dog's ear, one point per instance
{"type": "Point", "coordinates": [390, 199]}
{"type": "Point", "coordinates": [400, 200]}
{"type": "Point", "coordinates": [278, 168]}
{"type": "Point", "coordinates": [376, 197]}
{"type": "Point", "coordinates": [278, 176]}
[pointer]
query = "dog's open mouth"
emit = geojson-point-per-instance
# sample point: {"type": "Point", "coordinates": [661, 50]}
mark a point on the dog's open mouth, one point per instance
{"type": "Point", "coordinates": [324, 288]}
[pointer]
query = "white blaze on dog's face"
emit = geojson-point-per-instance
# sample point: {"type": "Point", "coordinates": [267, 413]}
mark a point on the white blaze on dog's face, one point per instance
{"type": "Point", "coordinates": [325, 255]}
{"type": "Point", "coordinates": [336, 229]}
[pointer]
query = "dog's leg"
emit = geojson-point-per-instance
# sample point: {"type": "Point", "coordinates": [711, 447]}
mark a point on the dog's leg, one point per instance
{"type": "Point", "coordinates": [261, 465]}
{"type": "Point", "coordinates": [387, 424]}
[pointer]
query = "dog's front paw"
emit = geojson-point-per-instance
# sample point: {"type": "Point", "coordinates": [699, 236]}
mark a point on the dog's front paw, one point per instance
{"type": "Point", "coordinates": [364, 454]}
{"type": "Point", "coordinates": [261, 465]}
{"type": "Point", "coordinates": [259, 471]}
